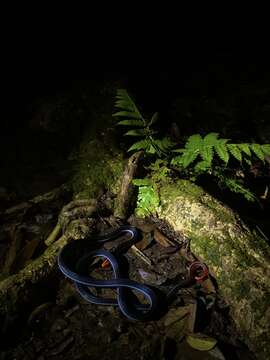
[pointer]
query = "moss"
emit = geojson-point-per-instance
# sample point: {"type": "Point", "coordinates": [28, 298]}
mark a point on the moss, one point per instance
{"type": "Point", "coordinates": [98, 166]}
{"type": "Point", "coordinates": [206, 247]}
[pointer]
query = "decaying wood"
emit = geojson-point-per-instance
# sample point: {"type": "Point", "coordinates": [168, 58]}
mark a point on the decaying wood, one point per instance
{"type": "Point", "coordinates": [123, 198]}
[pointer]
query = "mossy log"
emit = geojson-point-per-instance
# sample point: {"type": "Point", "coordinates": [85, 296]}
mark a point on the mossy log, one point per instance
{"type": "Point", "coordinates": [238, 258]}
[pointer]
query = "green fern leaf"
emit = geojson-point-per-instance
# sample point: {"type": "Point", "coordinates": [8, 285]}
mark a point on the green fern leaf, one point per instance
{"type": "Point", "coordinates": [123, 104]}
{"type": "Point", "coordinates": [164, 144]}
{"type": "Point", "coordinates": [151, 149]}
{"type": "Point", "coordinates": [139, 145]}
{"type": "Point", "coordinates": [207, 153]}
{"type": "Point", "coordinates": [194, 142]}
{"type": "Point", "coordinates": [266, 149]}
{"type": "Point", "coordinates": [237, 187]}
{"type": "Point", "coordinates": [128, 114]}
{"type": "Point", "coordinates": [221, 149]}
{"type": "Point", "coordinates": [148, 201]}
{"type": "Point", "coordinates": [235, 151]}
{"type": "Point", "coordinates": [137, 132]}
{"type": "Point", "coordinates": [256, 148]}
{"type": "Point", "coordinates": [210, 138]}
{"type": "Point", "coordinates": [127, 104]}
{"type": "Point", "coordinates": [188, 157]}
{"type": "Point", "coordinates": [131, 122]}
{"type": "Point", "coordinates": [207, 149]}
{"type": "Point", "coordinates": [244, 148]}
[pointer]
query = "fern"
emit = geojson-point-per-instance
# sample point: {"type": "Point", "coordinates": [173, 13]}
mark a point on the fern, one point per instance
{"type": "Point", "coordinates": [237, 187]}
{"type": "Point", "coordinates": [198, 156]}
{"type": "Point", "coordinates": [134, 118]}
{"type": "Point", "coordinates": [206, 147]}
{"type": "Point", "coordinates": [148, 198]}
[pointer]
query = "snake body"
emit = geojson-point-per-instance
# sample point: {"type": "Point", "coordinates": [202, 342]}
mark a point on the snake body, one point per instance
{"type": "Point", "coordinates": [74, 260]}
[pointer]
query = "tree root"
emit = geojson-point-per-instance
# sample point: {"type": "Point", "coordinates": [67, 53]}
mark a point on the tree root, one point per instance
{"type": "Point", "coordinates": [18, 290]}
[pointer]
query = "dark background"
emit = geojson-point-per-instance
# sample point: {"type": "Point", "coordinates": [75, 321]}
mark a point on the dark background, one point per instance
{"type": "Point", "coordinates": [34, 158]}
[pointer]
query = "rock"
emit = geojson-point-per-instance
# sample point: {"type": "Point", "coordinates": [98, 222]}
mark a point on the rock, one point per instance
{"type": "Point", "coordinates": [237, 257]}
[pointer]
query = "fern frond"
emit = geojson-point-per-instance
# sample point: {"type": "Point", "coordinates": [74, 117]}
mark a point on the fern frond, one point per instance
{"type": "Point", "coordinates": [244, 148]}
{"type": "Point", "coordinates": [125, 102]}
{"type": "Point", "coordinates": [266, 149]}
{"type": "Point", "coordinates": [221, 149]}
{"type": "Point", "coordinates": [237, 187]}
{"type": "Point", "coordinates": [210, 139]}
{"type": "Point", "coordinates": [164, 144]}
{"type": "Point", "coordinates": [235, 151]}
{"type": "Point", "coordinates": [188, 157]}
{"type": "Point", "coordinates": [192, 149]}
{"type": "Point", "coordinates": [207, 147]}
{"type": "Point", "coordinates": [147, 201]}
{"type": "Point", "coordinates": [194, 142]}
{"type": "Point", "coordinates": [140, 145]}
{"type": "Point", "coordinates": [131, 122]}
{"type": "Point", "coordinates": [256, 148]}
{"type": "Point", "coordinates": [127, 114]}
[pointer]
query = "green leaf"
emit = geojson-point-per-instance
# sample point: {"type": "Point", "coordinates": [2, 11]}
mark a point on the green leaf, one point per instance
{"type": "Point", "coordinates": [244, 148]}
{"type": "Point", "coordinates": [139, 145]}
{"type": "Point", "coordinates": [210, 138]}
{"type": "Point", "coordinates": [127, 104]}
{"type": "Point", "coordinates": [207, 153]}
{"type": "Point", "coordinates": [237, 187]}
{"type": "Point", "coordinates": [256, 148]}
{"type": "Point", "coordinates": [194, 142]}
{"type": "Point", "coordinates": [131, 122]}
{"type": "Point", "coordinates": [137, 132]}
{"type": "Point", "coordinates": [123, 104]}
{"type": "Point", "coordinates": [188, 157]}
{"type": "Point", "coordinates": [177, 161]}
{"type": "Point", "coordinates": [221, 149]}
{"type": "Point", "coordinates": [147, 202]}
{"type": "Point", "coordinates": [266, 149]}
{"type": "Point", "coordinates": [163, 145]}
{"type": "Point", "coordinates": [235, 151]}
{"type": "Point", "coordinates": [151, 149]}
{"type": "Point", "coordinates": [127, 114]}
